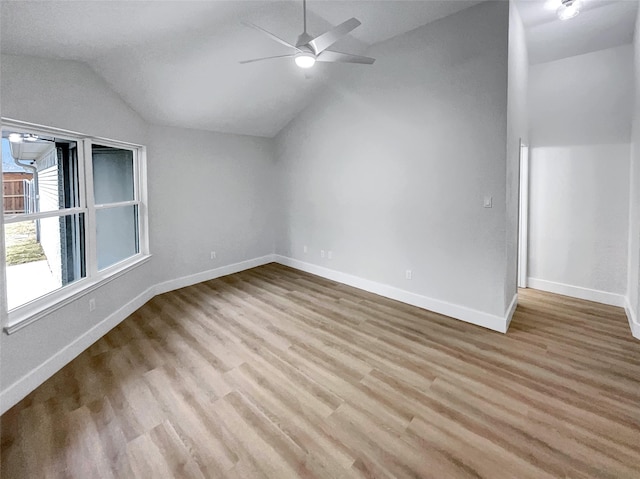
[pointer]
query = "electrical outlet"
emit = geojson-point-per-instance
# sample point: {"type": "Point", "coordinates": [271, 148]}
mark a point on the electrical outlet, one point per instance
{"type": "Point", "coordinates": [329, 254]}
{"type": "Point", "coordinates": [407, 274]}
{"type": "Point", "coordinates": [213, 255]}
{"type": "Point", "coordinates": [305, 249]}
{"type": "Point", "coordinates": [92, 304]}
{"type": "Point", "coordinates": [322, 253]}
{"type": "Point", "coordinates": [488, 202]}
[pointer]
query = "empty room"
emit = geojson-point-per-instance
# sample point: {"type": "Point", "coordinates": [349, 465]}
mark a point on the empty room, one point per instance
{"type": "Point", "coordinates": [320, 239]}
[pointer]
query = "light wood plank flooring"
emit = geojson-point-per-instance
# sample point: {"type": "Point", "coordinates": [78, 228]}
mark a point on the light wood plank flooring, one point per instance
{"type": "Point", "coordinates": [274, 373]}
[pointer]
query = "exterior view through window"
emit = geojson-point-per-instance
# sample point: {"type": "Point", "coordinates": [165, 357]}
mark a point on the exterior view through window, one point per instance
{"type": "Point", "coordinates": [71, 211]}
{"type": "Point", "coordinates": [44, 231]}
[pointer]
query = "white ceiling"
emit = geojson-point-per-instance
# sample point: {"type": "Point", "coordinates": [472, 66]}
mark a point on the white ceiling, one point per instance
{"type": "Point", "coordinates": [176, 62]}
{"type": "Point", "coordinates": [601, 24]}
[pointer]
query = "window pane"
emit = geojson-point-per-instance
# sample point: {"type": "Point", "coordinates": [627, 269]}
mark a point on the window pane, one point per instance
{"type": "Point", "coordinates": [38, 173]}
{"type": "Point", "coordinates": [112, 175]}
{"type": "Point", "coordinates": [117, 234]}
{"type": "Point", "coordinates": [42, 256]}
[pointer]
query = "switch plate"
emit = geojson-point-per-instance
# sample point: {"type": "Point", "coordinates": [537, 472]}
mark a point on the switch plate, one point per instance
{"type": "Point", "coordinates": [488, 202]}
{"type": "Point", "coordinates": [322, 253]}
{"type": "Point", "coordinates": [329, 254]}
{"type": "Point", "coordinates": [92, 304]}
{"type": "Point", "coordinates": [305, 249]}
{"type": "Point", "coordinates": [213, 255]}
{"type": "Point", "coordinates": [408, 274]}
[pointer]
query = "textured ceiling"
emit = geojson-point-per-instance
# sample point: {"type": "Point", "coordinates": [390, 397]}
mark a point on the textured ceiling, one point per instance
{"type": "Point", "coordinates": [176, 62]}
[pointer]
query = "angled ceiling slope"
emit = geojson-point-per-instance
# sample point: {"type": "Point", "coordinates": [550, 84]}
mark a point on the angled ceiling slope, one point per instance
{"type": "Point", "coordinates": [176, 62]}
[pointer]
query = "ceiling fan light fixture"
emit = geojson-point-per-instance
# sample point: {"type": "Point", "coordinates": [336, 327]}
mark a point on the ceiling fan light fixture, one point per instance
{"type": "Point", "coordinates": [305, 59]}
{"type": "Point", "coordinates": [310, 49]}
{"type": "Point", "coordinates": [569, 9]}
{"type": "Point", "coordinates": [15, 137]}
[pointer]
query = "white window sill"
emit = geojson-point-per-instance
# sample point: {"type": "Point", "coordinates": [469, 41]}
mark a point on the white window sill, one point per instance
{"type": "Point", "coordinates": [29, 313]}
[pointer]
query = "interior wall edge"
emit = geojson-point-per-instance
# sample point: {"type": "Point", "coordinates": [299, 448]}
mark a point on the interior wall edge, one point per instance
{"type": "Point", "coordinates": [632, 316]}
{"type": "Point", "coordinates": [511, 310]}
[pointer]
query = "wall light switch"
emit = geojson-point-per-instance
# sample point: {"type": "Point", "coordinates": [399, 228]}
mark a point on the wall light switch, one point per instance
{"type": "Point", "coordinates": [92, 304]}
{"type": "Point", "coordinates": [322, 253]}
{"type": "Point", "coordinates": [488, 202]}
{"type": "Point", "coordinates": [305, 249]}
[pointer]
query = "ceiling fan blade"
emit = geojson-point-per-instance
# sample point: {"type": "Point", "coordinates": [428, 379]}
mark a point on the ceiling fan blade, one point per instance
{"type": "Point", "coordinates": [331, 56]}
{"type": "Point", "coordinates": [324, 41]}
{"type": "Point", "coordinates": [267, 58]}
{"type": "Point", "coordinates": [272, 36]}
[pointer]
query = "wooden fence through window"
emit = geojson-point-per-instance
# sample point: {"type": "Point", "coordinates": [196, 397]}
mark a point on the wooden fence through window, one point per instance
{"type": "Point", "coordinates": [15, 192]}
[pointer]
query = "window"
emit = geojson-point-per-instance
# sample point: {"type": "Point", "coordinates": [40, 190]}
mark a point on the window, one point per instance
{"type": "Point", "coordinates": [73, 216]}
{"type": "Point", "coordinates": [116, 204]}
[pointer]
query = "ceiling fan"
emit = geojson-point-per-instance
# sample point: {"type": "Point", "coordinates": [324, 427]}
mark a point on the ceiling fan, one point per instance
{"type": "Point", "coordinates": [309, 50]}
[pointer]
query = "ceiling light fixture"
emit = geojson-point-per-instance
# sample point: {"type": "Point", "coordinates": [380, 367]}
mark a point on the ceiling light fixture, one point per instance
{"type": "Point", "coordinates": [305, 59]}
{"type": "Point", "coordinates": [309, 50]}
{"type": "Point", "coordinates": [15, 137]}
{"type": "Point", "coordinates": [569, 9]}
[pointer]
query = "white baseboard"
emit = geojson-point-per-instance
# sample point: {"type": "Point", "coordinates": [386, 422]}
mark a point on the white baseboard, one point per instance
{"type": "Point", "coordinates": [479, 318]}
{"type": "Point", "coordinates": [632, 317]}
{"type": "Point", "coordinates": [603, 297]}
{"type": "Point", "coordinates": [34, 378]}
{"type": "Point", "coordinates": [192, 279]}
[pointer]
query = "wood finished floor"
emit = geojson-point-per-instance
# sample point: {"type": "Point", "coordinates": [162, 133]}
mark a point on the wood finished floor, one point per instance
{"type": "Point", "coordinates": [274, 373]}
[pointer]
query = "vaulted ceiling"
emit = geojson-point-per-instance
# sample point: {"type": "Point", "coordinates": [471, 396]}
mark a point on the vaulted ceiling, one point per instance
{"type": "Point", "coordinates": [176, 62]}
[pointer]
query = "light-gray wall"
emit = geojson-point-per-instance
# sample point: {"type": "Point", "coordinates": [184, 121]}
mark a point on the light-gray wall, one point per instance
{"type": "Point", "coordinates": [579, 216]}
{"type": "Point", "coordinates": [579, 187]}
{"type": "Point", "coordinates": [388, 169]}
{"type": "Point", "coordinates": [582, 100]}
{"type": "Point", "coordinates": [208, 192]}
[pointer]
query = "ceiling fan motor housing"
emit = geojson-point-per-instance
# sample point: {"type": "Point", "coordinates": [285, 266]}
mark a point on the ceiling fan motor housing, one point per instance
{"type": "Point", "coordinates": [303, 41]}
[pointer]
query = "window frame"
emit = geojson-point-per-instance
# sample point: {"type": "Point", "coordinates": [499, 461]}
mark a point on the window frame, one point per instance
{"type": "Point", "coordinates": [31, 311]}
